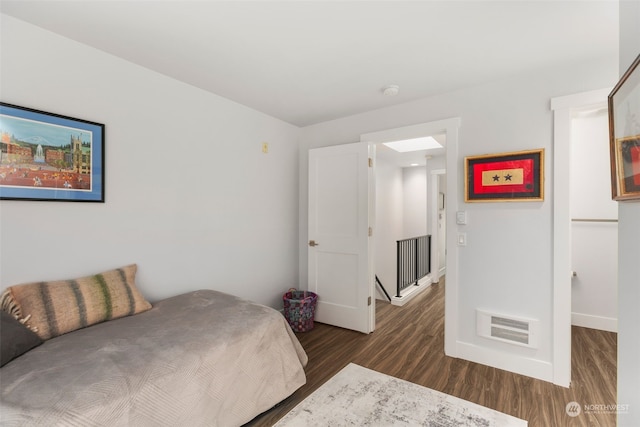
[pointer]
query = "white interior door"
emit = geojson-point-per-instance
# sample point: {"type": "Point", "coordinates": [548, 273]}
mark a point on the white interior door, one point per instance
{"type": "Point", "coordinates": [340, 249]}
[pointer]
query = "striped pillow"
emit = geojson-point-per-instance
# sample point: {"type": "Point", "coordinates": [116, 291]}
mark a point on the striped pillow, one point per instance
{"type": "Point", "coordinates": [55, 308]}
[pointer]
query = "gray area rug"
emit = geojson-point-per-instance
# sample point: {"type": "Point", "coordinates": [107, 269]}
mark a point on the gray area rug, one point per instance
{"type": "Point", "coordinates": [358, 396]}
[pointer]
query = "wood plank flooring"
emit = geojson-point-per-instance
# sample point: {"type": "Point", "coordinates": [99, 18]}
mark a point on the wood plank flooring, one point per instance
{"type": "Point", "coordinates": [408, 343]}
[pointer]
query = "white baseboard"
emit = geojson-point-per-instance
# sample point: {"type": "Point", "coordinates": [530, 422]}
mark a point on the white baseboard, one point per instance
{"type": "Point", "coordinates": [441, 273]}
{"type": "Point", "coordinates": [595, 322]}
{"type": "Point", "coordinates": [411, 292]}
{"type": "Point", "coordinates": [507, 361]}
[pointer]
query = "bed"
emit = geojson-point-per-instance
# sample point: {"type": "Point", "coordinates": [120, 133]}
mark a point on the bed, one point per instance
{"type": "Point", "coordinates": [203, 358]}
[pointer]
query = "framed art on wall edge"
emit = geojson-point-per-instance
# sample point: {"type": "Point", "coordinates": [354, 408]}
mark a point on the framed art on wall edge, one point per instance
{"type": "Point", "coordinates": [624, 135]}
{"type": "Point", "coordinates": [506, 177]}
{"type": "Point", "coordinates": [50, 157]}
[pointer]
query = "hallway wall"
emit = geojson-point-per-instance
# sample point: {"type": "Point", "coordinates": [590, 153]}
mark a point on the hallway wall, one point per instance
{"type": "Point", "coordinates": [389, 218]}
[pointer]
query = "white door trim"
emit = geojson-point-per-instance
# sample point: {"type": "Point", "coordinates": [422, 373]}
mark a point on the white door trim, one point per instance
{"type": "Point", "coordinates": [435, 238]}
{"type": "Point", "coordinates": [372, 227]}
{"type": "Point", "coordinates": [561, 107]}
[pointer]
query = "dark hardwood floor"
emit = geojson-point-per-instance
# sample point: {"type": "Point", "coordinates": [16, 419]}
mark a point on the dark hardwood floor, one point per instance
{"type": "Point", "coordinates": [408, 343]}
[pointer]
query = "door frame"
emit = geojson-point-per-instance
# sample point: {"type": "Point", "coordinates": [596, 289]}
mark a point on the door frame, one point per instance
{"type": "Point", "coordinates": [450, 127]}
{"type": "Point", "coordinates": [434, 205]}
{"type": "Point", "coordinates": [562, 108]}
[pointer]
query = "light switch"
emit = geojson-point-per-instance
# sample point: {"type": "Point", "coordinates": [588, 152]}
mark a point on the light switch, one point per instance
{"type": "Point", "coordinates": [461, 217]}
{"type": "Point", "coordinates": [265, 147]}
{"type": "Point", "coordinates": [462, 239]}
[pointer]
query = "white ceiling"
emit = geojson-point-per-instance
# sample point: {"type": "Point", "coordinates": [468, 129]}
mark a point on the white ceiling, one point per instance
{"type": "Point", "coordinates": [307, 62]}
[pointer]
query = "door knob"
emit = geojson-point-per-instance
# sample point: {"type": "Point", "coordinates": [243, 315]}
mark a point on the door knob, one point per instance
{"type": "Point", "coordinates": [313, 243]}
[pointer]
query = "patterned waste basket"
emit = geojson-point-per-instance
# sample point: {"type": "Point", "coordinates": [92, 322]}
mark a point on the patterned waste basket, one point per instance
{"type": "Point", "coordinates": [300, 309]}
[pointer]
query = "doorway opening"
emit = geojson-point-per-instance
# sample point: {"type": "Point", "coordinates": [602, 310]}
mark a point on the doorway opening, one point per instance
{"type": "Point", "coordinates": [449, 129]}
{"type": "Point", "coordinates": [594, 222]}
{"type": "Point", "coordinates": [564, 109]}
{"type": "Point", "coordinates": [410, 195]}
{"type": "Point", "coordinates": [341, 203]}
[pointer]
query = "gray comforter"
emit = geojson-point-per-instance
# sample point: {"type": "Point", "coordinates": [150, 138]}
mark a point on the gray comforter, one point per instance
{"type": "Point", "coordinates": [198, 359]}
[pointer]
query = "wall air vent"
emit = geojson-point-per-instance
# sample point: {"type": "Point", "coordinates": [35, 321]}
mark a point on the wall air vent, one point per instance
{"type": "Point", "coordinates": [511, 329]}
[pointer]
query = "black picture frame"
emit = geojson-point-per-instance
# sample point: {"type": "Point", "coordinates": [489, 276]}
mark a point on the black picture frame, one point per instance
{"type": "Point", "coordinates": [505, 177]}
{"type": "Point", "coordinates": [50, 157]}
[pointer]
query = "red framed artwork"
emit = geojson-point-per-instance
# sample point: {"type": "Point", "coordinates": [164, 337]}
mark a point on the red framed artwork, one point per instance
{"type": "Point", "coordinates": [624, 135]}
{"type": "Point", "coordinates": [507, 177]}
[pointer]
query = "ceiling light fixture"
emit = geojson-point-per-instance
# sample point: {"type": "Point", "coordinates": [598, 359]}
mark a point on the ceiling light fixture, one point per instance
{"type": "Point", "coordinates": [391, 90]}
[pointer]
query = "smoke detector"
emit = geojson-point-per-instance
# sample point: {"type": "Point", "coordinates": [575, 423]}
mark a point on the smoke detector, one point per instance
{"type": "Point", "coordinates": [391, 90]}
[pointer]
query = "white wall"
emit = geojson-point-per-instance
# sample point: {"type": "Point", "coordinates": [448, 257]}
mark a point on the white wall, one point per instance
{"type": "Point", "coordinates": [507, 264]}
{"type": "Point", "coordinates": [401, 203]}
{"type": "Point", "coordinates": [628, 250]}
{"type": "Point", "coordinates": [414, 202]}
{"type": "Point", "coordinates": [389, 195]}
{"type": "Point", "coordinates": [190, 197]}
{"type": "Point", "coordinates": [594, 249]}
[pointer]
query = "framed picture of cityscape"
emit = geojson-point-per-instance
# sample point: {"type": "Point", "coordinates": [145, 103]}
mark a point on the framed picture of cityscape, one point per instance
{"type": "Point", "coordinates": [50, 157]}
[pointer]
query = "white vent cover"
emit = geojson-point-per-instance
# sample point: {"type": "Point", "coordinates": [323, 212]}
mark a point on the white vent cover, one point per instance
{"type": "Point", "coordinates": [510, 329]}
